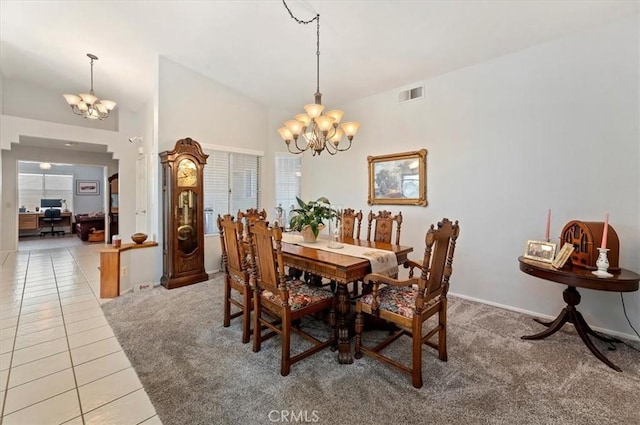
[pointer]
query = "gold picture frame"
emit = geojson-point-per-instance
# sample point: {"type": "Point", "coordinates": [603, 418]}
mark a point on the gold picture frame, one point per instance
{"type": "Point", "coordinates": [540, 251]}
{"type": "Point", "coordinates": [398, 179]}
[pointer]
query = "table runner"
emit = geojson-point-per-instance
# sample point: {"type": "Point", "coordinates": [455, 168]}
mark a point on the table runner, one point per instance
{"type": "Point", "coordinates": [382, 261]}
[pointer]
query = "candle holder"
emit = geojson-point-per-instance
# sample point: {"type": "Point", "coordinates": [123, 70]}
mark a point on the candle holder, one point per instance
{"type": "Point", "coordinates": [335, 230]}
{"type": "Point", "coordinates": [602, 263]}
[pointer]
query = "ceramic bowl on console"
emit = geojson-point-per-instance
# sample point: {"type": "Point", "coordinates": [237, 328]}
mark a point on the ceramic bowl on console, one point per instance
{"type": "Point", "coordinates": [139, 237]}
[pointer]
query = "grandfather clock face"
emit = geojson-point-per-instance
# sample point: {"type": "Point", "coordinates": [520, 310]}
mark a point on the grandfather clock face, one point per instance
{"type": "Point", "coordinates": [187, 175]}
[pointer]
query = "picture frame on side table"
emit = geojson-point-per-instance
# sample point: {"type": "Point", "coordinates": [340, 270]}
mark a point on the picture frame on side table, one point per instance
{"type": "Point", "coordinates": [87, 187]}
{"type": "Point", "coordinates": [540, 251]}
{"type": "Point", "coordinates": [563, 255]}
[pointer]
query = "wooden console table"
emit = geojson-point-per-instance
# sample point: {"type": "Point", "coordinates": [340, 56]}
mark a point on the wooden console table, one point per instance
{"type": "Point", "coordinates": [623, 281]}
{"type": "Point", "coordinates": [110, 267]}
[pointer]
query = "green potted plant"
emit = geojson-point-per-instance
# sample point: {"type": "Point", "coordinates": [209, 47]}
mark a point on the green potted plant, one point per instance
{"type": "Point", "coordinates": [309, 218]}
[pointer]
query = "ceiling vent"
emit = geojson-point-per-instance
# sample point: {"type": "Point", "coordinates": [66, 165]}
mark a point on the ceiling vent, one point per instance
{"type": "Point", "coordinates": [411, 94]}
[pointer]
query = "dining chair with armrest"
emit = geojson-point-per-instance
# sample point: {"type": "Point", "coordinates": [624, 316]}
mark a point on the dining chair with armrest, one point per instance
{"type": "Point", "coordinates": [237, 277]}
{"type": "Point", "coordinates": [286, 301]}
{"type": "Point", "coordinates": [409, 303]}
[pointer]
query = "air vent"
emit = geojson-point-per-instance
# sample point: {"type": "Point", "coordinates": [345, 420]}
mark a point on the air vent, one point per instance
{"type": "Point", "coordinates": [411, 94]}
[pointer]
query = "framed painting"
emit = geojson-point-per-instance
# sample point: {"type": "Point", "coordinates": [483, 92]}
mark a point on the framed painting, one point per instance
{"type": "Point", "coordinates": [398, 179]}
{"type": "Point", "coordinates": [87, 187]}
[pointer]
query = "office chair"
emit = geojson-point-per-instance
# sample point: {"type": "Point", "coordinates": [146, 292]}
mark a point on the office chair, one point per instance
{"type": "Point", "coordinates": [52, 215]}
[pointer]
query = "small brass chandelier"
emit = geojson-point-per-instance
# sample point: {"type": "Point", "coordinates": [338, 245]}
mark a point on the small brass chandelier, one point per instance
{"type": "Point", "coordinates": [88, 105]}
{"type": "Point", "coordinates": [319, 130]}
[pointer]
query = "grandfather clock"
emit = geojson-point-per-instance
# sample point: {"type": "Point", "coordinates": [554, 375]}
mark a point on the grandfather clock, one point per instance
{"type": "Point", "coordinates": [183, 224]}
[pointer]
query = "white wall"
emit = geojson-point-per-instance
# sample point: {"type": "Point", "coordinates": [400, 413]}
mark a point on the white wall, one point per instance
{"type": "Point", "coordinates": [553, 126]}
{"type": "Point", "coordinates": [191, 105]}
{"type": "Point", "coordinates": [18, 101]}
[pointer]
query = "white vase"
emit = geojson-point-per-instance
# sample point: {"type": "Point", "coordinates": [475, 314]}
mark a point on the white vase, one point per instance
{"type": "Point", "coordinates": [307, 233]}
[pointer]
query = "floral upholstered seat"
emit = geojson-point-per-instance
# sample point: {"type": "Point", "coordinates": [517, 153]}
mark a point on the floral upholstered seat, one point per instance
{"type": "Point", "coordinates": [400, 300]}
{"type": "Point", "coordinates": [300, 295]}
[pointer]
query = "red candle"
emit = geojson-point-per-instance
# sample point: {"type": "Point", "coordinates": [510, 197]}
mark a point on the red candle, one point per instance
{"type": "Point", "coordinates": [605, 231]}
{"type": "Point", "coordinates": [546, 233]}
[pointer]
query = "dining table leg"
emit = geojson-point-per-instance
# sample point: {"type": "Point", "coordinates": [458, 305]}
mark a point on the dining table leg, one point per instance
{"type": "Point", "coordinates": [344, 306]}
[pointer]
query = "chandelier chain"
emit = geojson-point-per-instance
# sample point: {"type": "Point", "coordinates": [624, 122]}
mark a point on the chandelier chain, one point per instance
{"type": "Point", "coordinates": [300, 21]}
{"type": "Point", "coordinates": [317, 130]}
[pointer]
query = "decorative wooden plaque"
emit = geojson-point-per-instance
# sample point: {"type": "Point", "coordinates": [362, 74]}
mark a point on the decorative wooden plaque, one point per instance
{"type": "Point", "coordinates": [586, 237]}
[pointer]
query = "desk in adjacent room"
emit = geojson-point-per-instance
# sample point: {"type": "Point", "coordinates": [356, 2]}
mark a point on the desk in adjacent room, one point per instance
{"type": "Point", "coordinates": [35, 221]}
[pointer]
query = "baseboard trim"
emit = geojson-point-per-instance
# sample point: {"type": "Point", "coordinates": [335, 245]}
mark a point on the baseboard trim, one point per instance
{"type": "Point", "coordinates": [631, 337]}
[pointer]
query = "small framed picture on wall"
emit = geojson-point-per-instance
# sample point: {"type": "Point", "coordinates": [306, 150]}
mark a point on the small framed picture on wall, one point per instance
{"type": "Point", "coordinates": [87, 187]}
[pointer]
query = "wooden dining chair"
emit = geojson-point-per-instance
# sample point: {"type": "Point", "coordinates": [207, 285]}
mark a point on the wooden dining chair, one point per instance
{"type": "Point", "coordinates": [351, 223]}
{"type": "Point", "coordinates": [409, 303]}
{"type": "Point", "coordinates": [283, 301]}
{"type": "Point", "coordinates": [382, 224]}
{"type": "Point", "coordinates": [237, 277]}
{"type": "Point", "coordinates": [250, 216]}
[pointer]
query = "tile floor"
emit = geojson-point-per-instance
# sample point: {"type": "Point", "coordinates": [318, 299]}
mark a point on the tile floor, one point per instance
{"type": "Point", "coordinates": [59, 360]}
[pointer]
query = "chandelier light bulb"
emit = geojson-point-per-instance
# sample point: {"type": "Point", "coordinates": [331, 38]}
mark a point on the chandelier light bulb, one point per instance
{"type": "Point", "coordinates": [285, 133]}
{"type": "Point", "coordinates": [350, 129]}
{"type": "Point", "coordinates": [313, 110]}
{"type": "Point", "coordinates": [324, 122]}
{"type": "Point", "coordinates": [294, 126]}
{"type": "Point", "coordinates": [336, 114]}
{"type": "Point", "coordinates": [303, 118]}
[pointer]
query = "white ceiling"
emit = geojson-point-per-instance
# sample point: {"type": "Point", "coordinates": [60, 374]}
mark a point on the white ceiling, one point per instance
{"type": "Point", "coordinates": [255, 47]}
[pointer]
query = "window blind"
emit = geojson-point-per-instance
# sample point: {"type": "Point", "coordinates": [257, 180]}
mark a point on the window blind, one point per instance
{"type": "Point", "coordinates": [288, 180]}
{"type": "Point", "coordinates": [231, 182]}
{"type": "Point", "coordinates": [33, 187]}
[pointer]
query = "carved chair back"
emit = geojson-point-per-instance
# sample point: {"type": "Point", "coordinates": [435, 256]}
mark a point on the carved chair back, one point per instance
{"type": "Point", "coordinates": [233, 254]}
{"type": "Point", "coordinates": [267, 265]}
{"type": "Point", "coordinates": [351, 223]}
{"type": "Point", "coordinates": [383, 228]}
{"type": "Point", "coordinates": [438, 258]}
{"type": "Point", "coordinates": [250, 216]}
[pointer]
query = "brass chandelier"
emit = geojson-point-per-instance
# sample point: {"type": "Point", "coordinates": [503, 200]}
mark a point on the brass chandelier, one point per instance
{"type": "Point", "coordinates": [319, 130]}
{"type": "Point", "coordinates": [88, 105]}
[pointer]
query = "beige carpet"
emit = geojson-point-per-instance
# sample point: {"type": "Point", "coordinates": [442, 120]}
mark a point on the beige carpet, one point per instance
{"type": "Point", "coordinates": [197, 372]}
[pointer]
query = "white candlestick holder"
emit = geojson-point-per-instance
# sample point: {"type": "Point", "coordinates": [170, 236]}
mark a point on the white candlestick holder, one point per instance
{"type": "Point", "coordinates": [602, 263]}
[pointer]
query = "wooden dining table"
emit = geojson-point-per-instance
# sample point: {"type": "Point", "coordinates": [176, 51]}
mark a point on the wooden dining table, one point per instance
{"type": "Point", "coordinates": [343, 269]}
